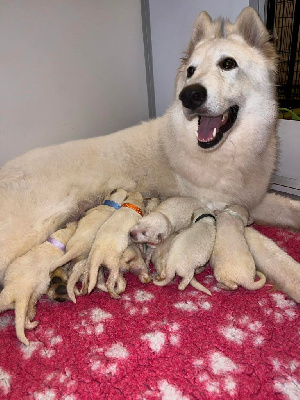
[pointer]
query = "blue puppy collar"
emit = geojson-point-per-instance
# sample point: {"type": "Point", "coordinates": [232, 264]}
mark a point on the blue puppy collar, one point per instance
{"type": "Point", "coordinates": [111, 203]}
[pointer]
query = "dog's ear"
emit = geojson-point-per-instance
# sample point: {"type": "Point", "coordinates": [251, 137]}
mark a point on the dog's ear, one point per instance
{"type": "Point", "coordinates": [251, 27]}
{"type": "Point", "coordinates": [201, 27]}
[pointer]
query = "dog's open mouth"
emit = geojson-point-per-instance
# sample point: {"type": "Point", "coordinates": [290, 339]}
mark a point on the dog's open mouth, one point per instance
{"type": "Point", "coordinates": [211, 130]}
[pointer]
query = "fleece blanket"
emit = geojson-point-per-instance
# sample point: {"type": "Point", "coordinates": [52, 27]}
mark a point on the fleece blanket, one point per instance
{"type": "Point", "coordinates": [159, 343]}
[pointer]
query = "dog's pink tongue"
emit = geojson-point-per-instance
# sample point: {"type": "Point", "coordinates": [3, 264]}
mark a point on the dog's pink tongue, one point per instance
{"type": "Point", "coordinates": [207, 126]}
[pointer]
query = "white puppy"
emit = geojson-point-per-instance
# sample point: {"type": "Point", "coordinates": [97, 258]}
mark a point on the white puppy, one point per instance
{"type": "Point", "coordinates": [172, 215]}
{"type": "Point", "coordinates": [111, 241]}
{"type": "Point", "coordinates": [231, 259]}
{"type": "Point", "coordinates": [277, 265]}
{"type": "Point", "coordinates": [28, 277]}
{"type": "Point", "coordinates": [184, 253]}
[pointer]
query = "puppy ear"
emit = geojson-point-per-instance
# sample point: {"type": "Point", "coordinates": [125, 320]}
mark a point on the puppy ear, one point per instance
{"type": "Point", "coordinates": [251, 27]}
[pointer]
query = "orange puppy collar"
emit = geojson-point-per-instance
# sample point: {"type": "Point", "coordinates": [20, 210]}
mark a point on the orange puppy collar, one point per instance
{"type": "Point", "coordinates": [133, 207]}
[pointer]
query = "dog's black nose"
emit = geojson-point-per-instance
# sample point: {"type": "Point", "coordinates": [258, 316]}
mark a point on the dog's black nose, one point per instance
{"type": "Point", "coordinates": [193, 96]}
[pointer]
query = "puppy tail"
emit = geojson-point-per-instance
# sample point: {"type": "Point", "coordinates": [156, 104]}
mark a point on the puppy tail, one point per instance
{"type": "Point", "coordinates": [20, 312]}
{"type": "Point", "coordinates": [256, 284]}
{"type": "Point", "coordinates": [197, 285]}
{"type": "Point", "coordinates": [165, 281]}
{"type": "Point", "coordinates": [78, 270]}
{"type": "Point", "coordinates": [93, 263]}
{"type": "Point", "coordinates": [70, 255]}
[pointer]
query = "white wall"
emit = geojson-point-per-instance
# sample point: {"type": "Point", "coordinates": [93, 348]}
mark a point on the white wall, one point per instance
{"type": "Point", "coordinates": [171, 28]}
{"type": "Point", "coordinates": [69, 69]}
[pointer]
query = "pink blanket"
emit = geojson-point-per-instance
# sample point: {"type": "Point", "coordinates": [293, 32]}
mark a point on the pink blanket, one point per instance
{"type": "Point", "coordinates": [159, 343]}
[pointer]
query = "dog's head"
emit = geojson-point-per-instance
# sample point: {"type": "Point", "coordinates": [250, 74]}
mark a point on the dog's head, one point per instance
{"type": "Point", "coordinates": [226, 67]}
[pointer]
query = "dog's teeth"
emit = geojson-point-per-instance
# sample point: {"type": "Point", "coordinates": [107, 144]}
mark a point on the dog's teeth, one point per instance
{"type": "Point", "coordinates": [196, 133]}
{"type": "Point", "coordinates": [215, 132]}
{"type": "Point", "coordinates": [225, 116]}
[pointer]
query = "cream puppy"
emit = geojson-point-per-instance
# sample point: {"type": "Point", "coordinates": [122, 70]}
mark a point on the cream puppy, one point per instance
{"type": "Point", "coordinates": [111, 241]}
{"type": "Point", "coordinates": [184, 253]}
{"type": "Point", "coordinates": [132, 261]}
{"type": "Point", "coordinates": [28, 277]}
{"type": "Point", "coordinates": [231, 259]}
{"type": "Point", "coordinates": [80, 244]}
{"type": "Point", "coordinates": [170, 216]}
{"type": "Point", "coordinates": [274, 262]}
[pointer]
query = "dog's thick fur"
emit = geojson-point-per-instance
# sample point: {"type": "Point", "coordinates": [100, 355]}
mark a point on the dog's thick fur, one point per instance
{"type": "Point", "coordinates": [44, 188]}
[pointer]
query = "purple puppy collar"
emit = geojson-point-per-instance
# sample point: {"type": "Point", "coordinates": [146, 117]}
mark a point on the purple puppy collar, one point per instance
{"type": "Point", "coordinates": [56, 243]}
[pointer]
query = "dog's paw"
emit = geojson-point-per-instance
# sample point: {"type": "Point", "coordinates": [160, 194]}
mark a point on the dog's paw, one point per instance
{"type": "Point", "coordinates": [57, 290]}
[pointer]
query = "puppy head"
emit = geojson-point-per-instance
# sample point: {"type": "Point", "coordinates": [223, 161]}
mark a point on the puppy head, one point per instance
{"type": "Point", "coordinates": [153, 228]}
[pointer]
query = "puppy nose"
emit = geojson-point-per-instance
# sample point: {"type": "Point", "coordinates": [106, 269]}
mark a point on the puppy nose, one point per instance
{"type": "Point", "coordinates": [133, 234]}
{"type": "Point", "coordinates": [193, 96]}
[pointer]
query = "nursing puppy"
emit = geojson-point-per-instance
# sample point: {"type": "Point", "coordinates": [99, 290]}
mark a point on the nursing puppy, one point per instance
{"type": "Point", "coordinates": [111, 241]}
{"type": "Point", "coordinates": [188, 251]}
{"type": "Point", "coordinates": [231, 259]}
{"type": "Point", "coordinates": [28, 278]}
{"type": "Point", "coordinates": [172, 215]}
{"type": "Point", "coordinates": [269, 259]}
{"type": "Point", "coordinates": [225, 91]}
{"type": "Point", "coordinates": [132, 261]}
{"type": "Point", "coordinates": [80, 244]}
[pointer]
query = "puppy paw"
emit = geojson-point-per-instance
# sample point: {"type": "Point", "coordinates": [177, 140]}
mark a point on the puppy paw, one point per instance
{"type": "Point", "coordinates": [57, 290]}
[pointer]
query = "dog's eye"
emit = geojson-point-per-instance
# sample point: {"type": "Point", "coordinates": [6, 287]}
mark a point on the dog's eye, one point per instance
{"type": "Point", "coordinates": [228, 63]}
{"type": "Point", "coordinates": [190, 71]}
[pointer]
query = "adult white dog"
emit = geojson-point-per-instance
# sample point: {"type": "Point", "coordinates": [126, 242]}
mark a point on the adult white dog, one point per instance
{"type": "Point", "coordinates": [225, 94]}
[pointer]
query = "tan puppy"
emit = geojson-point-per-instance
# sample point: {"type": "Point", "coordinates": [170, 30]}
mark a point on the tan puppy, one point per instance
{"type": "Point", "coordinates": [28, 277]}
{"type": "Point", "coordinates": [231, 259]}
{"type": "Point", "coordinates": [188, 251]}
{"type": "Point", "coordinates": [111, 241]}
{"type": "Point", "coordinates": [277, 265]}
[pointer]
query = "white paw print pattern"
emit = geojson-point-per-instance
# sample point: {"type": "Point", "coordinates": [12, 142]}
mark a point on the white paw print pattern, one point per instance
{"type": "Point", "coordinates": [5, 379]}
{"type": "Point", "coordinates": [163, 332]}
{"type": "Point", "coordinates": [104, 361]}
{"type": "Point", "coordinates": [217, 373]}
{"type": "Point", "coordinates": [46, 349]}
{"type": "Point", "coordinates": [137, 304]}
{"type": "Point", "coordinates": [244, 328]}
{"type": "Point", "coordinates": [92, 321]}
{"type": "Point", "coordinates": [279, 308]}
{"type": "Point", "coordinates": [288, 384]}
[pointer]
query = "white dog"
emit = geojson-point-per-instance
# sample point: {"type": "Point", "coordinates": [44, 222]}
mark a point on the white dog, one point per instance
{"type": "Point", "coordinates": [225, 91]}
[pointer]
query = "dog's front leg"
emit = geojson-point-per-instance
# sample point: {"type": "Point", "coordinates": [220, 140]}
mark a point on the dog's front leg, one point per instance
{"type": "Point", "coordinates": [278, 210]}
